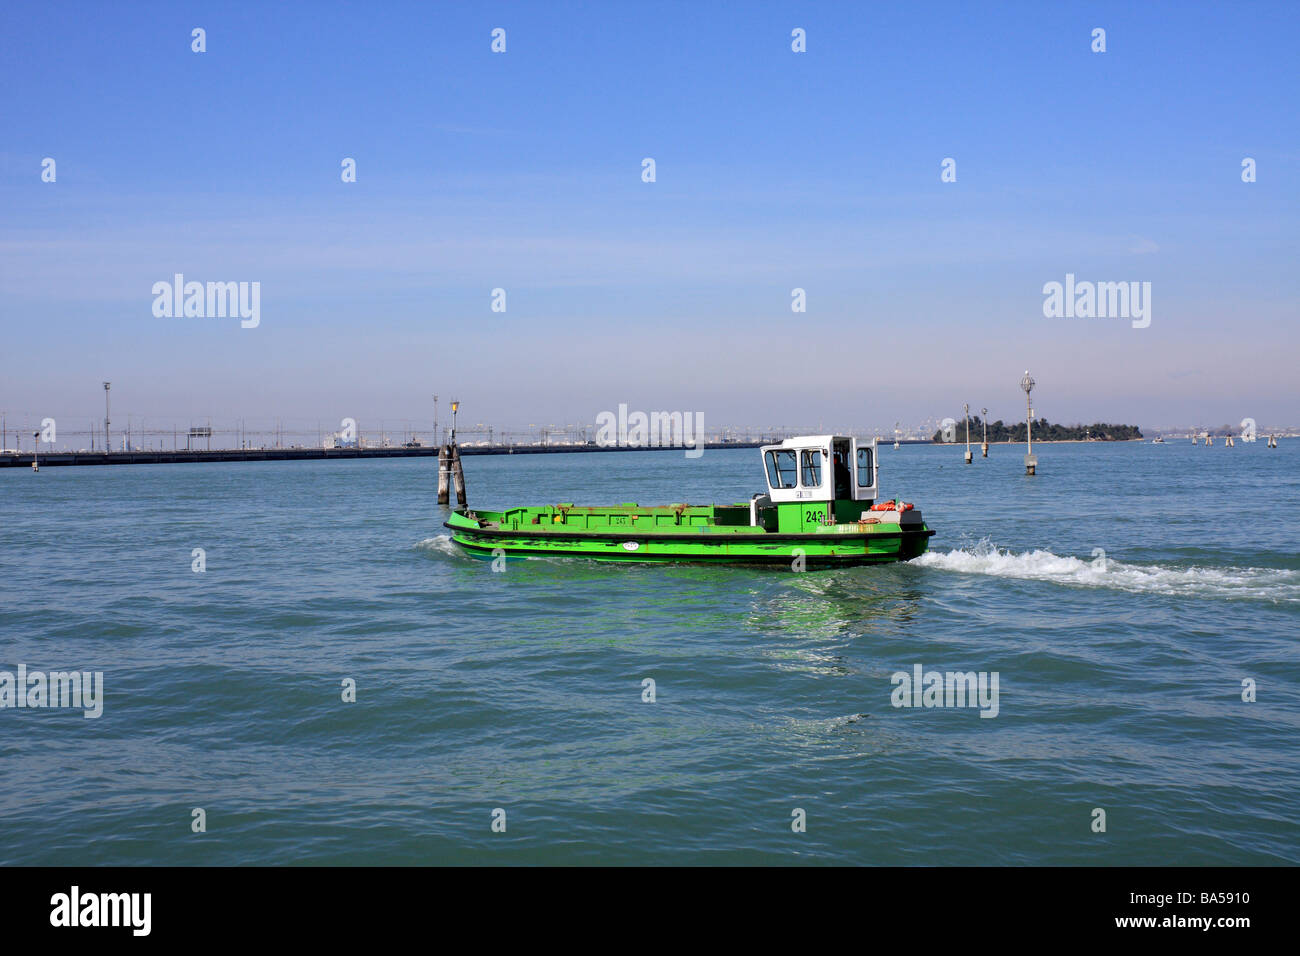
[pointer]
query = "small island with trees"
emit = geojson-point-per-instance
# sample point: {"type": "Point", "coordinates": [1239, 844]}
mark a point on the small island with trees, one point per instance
{"type": "Point", "coordinates": [1044, 431]}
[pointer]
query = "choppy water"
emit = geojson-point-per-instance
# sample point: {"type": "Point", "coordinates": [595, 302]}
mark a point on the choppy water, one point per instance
{"type": "Point", "coordinates": [1120, 675]}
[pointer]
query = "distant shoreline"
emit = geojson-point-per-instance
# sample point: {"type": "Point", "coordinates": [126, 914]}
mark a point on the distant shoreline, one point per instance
{"type": "Point", "coordinates": [1045, 441]}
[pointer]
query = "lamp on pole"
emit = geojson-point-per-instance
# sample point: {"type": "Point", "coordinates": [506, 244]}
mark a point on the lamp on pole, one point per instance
{"type": "Point", "coordinates": [108, 442]}
{"type": "Point", "coordinates": [984, 417]}
{"type": "Point", "coordinates": [1031, 462]}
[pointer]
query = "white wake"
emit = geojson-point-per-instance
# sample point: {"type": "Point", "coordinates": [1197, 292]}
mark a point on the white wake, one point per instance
{"type": "Point", "coordinates": [442, 544]}
{"type": "Point", "coordinates": [1270, 584]}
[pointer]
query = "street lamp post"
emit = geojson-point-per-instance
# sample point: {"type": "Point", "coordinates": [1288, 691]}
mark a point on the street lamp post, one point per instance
{"type": "Point", "coordinates": [1031, 462]}
{"type": "Point", "coordinates": [984, 417]}
{"type": "Point", "coordinates": [108, 441]}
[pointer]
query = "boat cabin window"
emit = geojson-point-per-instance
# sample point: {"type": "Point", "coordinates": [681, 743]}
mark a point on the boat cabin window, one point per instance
{"type": "Point", "coordinates": [866, 478]}
{"type": "Point", "coordinates": [781, 469]}
{"type": "Point", "coordinates": [812, 468]}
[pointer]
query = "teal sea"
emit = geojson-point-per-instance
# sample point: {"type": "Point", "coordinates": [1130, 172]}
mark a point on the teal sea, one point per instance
{"type": "Point", "coordinates": [1120, 673]}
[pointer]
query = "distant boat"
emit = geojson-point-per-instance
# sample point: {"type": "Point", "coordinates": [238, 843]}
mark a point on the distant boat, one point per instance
{"type": "Point", "coordinates": [1157, 441]}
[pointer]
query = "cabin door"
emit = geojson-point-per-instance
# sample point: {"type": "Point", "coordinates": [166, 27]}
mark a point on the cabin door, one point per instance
{"type": "Point", "coordinates": [841, 470]}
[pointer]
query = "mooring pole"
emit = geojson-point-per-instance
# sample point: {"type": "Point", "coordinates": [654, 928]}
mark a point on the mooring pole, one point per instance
{"type": "Point", "coordinates": [444, 474]}
{"type": "Point", "coordinates": [458, 476]}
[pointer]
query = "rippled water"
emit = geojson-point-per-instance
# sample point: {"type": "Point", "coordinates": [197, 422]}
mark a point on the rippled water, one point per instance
{"type": "Point", "coordinates": [1120, 674]}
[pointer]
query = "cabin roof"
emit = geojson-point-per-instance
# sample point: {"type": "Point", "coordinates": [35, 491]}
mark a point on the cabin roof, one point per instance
{"type": "Point", "coordinates": [807, 441]}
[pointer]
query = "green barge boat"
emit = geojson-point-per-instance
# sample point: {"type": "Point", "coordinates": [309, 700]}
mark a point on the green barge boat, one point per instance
{"type": "Point", "coordinates": [820, 510]}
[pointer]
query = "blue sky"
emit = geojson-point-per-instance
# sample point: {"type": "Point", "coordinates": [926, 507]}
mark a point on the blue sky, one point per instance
{"type": "Point", "coordinates": [775, 170]}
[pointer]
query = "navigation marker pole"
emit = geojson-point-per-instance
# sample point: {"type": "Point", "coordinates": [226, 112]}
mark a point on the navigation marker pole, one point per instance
{"type": "Point", "coordinates": [1031, 462]}
{"type": "Point", "coordinates": [984, 417]}
{"type": "Point", "coordinates": [966, 407]}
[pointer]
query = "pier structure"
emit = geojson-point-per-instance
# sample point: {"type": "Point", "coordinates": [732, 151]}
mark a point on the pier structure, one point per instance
{"type": "Point", "coordinates": [311, 453]}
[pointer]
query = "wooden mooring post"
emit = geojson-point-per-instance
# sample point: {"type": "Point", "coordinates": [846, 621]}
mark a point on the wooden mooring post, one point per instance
{"type": "Point", "coordinates": [458, 476]}
{"type": "Point", "coordinates": [450, 471]}
{"type": "Point", "coordinates": [444, 474]}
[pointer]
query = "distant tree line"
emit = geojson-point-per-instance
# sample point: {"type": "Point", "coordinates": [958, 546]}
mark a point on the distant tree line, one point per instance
{"type": "Point", "coordinates": [1044, 430]}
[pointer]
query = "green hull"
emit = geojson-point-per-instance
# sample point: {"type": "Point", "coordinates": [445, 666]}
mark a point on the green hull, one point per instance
{"type": "Point", "coordinates": [682, 533]}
